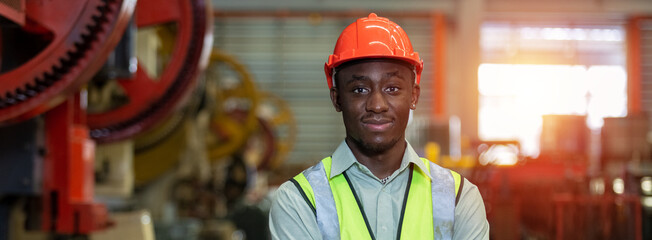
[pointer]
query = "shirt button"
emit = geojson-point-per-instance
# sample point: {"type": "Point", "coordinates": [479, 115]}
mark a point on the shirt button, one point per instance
{"type": "Point", "coordinates": [384, 228]}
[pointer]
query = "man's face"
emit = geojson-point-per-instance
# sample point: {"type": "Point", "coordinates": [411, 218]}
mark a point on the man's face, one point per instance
{"type": "Point", "coordinates": [375, 98]}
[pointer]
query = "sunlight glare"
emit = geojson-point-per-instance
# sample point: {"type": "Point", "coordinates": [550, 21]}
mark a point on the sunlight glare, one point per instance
{"type": "Point", "coordinates": [514, 97]}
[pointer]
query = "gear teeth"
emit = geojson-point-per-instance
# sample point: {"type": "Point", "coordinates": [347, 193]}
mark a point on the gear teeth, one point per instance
{"type": "Point", "coordinates": [49, 76]}
{"type": "Point", "coordinates": [9, 99]}
{"type": "Point", "coordinates": [60, 69]}
{"type": "Point", "coordinates": [30, 90]}
{"type": "Point", "coordinates": [65, 65]}
{"type": "Point", "coordinates": [100, 19]}
{"type": "Point", "coordinates": [88, 37]}
{"type": "Point", "coordinates": [54, 75]}
{"type": "Point", "coordinates": [47, 81]}
{"type": "Point", "coordinates": [20, 95]}
{"type": "Point", "coordinates": [72, 55]}
{"type": "Point", "coordinates": [101, 132]}
{"type": "Point", "coordinates": [77, 53]}
{"type": "Point", "coordinates": [96, 18]}
{"type": "Point", "coordinates": [103, 8]}
{"type": "Point", "coordinates": [90, 29]}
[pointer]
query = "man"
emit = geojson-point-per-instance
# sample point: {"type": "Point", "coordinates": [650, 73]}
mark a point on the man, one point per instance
{"type": "Point", "coordinates": [375, 186]}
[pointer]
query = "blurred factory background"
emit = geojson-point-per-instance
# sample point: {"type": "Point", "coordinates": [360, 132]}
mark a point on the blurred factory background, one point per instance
{"type": "Point", "coordinates": [177, 119]}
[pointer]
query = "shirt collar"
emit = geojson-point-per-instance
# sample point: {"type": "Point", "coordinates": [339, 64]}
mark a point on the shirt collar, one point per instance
{"type": "Point", "coordinates": [343, 158]}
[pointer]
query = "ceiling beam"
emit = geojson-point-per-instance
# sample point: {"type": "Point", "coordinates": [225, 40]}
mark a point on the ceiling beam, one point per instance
{"type": "Point", "coordinates": [334, 5]}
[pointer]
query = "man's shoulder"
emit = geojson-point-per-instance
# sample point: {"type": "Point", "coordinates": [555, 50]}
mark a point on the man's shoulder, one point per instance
{"type": "Point", "coordinates": [286, 189]}
{"type": "Point", "coordinates": [287, 194]}
{"type": "Point", "coordinates": [289, 187]}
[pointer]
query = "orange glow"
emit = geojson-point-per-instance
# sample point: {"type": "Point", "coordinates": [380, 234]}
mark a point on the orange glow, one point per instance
{"type": "Point", "coordinates": [514, 97]}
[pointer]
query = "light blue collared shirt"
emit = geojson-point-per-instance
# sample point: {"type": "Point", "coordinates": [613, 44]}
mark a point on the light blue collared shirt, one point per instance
{"type": "Point", "coordinates": [291, 217]}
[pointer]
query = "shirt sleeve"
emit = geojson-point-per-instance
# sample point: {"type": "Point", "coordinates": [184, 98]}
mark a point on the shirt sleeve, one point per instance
{"type": "Point", "coordinates": [470, 215]}
{"type": "Point", "coordinates": [290, 217]}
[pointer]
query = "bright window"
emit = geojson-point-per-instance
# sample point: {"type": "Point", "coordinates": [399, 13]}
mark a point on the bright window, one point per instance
{"type": "Point", "coordinates": [534, 69]}
{"type": "Point", "coordinates": [514, 97]}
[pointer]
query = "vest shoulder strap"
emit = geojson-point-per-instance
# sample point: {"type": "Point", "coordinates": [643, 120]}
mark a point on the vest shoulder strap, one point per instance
{"type": "Point", "coordinates": [457, 178]}
{"type": "Point", "coordinates": [301, 183]}
{"type": "Point", "coordinates": [318, 195]}
{"type": "Point", "coordinates": [459, 185]}
{"type": "Point", "coordinates": [443, 201]}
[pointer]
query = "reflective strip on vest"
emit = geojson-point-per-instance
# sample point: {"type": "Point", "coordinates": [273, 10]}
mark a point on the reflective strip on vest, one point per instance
{"type": "Point", "coordinates": [443, 201]}
{"type": "Point", "coordinates": [324, 204]}
{"type": "Point", "coordinates": [442, 187]}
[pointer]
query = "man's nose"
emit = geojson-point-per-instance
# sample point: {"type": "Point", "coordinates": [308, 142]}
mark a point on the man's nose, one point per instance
{"type": "Point", "coordinates": [377, 102]}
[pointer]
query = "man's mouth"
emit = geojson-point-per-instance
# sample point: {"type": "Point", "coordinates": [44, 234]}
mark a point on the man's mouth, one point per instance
{"type": "Point", "coordinates": [377, 125]}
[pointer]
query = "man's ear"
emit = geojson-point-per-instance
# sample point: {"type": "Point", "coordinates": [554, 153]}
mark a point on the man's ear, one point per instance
{"type": "Point", "coordinates": [335, 99]}
{"type": "Point", "coordinates": [416, 91]}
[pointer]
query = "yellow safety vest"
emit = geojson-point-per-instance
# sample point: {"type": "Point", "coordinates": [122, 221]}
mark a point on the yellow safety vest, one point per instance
{"type": "Point", "coordinates": [428, 209]}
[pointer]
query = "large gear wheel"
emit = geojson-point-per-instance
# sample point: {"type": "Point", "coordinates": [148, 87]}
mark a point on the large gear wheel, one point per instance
{"type": "Point", "coordinates": [153, 97]}
{"type": "Point", "coordinates": [278, 114]}
{"type": "Point", "coordinates": [233, 89]}
{"type": "Point", "coordinates": [50, 48]}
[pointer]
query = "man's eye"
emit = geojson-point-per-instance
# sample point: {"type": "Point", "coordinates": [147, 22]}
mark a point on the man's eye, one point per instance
{"type": "Point", "coordinates": [392, 89]}
{"type": "Point", "coordinates": [359, 90]}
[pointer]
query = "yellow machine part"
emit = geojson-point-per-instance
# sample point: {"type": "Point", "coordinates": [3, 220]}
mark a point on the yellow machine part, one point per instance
{"type": "Point", "coordinates": [159, 149]}
{"type": "Point", "coordinates": [150, 163]}
{"type": "Point", "coordinates": [433, 153]}
{"type": "Point", "coordinates": [229, 133]}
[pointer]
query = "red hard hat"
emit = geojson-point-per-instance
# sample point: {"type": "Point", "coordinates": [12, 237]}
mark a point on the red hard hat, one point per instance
{"type": "Point", "coordinates": [372, 37]}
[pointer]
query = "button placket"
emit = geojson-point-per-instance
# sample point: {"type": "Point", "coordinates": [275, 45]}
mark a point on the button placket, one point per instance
{"type": "Point", "coordinates": [384, 214]}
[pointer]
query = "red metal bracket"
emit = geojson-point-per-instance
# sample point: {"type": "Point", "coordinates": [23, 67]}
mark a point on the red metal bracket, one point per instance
{"type": "Point", "coordinates": [68, 182]}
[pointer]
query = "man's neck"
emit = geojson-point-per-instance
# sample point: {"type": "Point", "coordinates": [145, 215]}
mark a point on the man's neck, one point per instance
{"type": "Point", "coordinates": [381, 164]}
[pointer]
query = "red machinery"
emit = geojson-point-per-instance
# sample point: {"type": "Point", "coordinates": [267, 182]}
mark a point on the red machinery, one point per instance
{"type": "Point", "coordinates": [68, 173]}
{"type": "Point", "coordinates": [151, 98]}
{"type": "Point", "coordinates": [48, 51]}
{"type": "Point", "coordinates": [47, 55]}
